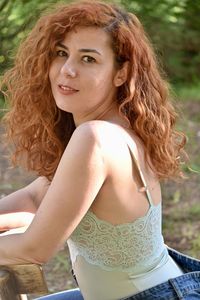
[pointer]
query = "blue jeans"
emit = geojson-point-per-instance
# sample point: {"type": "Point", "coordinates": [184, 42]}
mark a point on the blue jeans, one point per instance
{"type": "Point", "coordinates": [65, 295]}
{"type": "Point", "coordinates": [184, 287]}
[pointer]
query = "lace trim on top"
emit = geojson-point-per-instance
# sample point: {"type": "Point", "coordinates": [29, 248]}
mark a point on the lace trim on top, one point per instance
{"type": "Point", "coordinates": [122, 247]}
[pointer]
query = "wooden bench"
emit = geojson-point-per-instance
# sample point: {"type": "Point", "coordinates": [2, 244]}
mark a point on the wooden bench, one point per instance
{"type": "Point", "coordinates": [18, 280]}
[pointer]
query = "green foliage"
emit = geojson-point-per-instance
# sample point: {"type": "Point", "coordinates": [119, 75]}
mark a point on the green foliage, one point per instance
{"type": "Point", "coordinates": [170, 25]}
{"type": "Point", "coordinates": [1, 102]}
{"type": "Point", "coordinates": [185, 91]}
{"type": "Point", "coordinates": [1, 107]}
{"type": "Point", "coordinates": [16, 19]}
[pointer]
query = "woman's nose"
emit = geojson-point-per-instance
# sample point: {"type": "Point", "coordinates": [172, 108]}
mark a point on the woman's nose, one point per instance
{"type": "Point", "coordinates": [68, 69]}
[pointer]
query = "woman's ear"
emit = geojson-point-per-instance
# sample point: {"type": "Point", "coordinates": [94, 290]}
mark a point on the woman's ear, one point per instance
{"type": "Point", "coordinates": [121, 75]}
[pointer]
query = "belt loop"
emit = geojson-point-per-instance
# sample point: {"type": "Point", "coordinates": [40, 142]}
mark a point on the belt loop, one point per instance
{"type": "Point", "coordinates": [176, 288]}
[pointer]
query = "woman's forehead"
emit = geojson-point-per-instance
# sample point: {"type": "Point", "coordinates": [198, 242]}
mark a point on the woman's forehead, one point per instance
{"type": "Point", "coordinates": [95, 37]}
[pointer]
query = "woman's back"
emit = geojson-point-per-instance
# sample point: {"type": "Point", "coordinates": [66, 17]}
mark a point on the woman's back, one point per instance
{"type": "Point", "coordinates": [119, 238]}
{"type": "Point", "coordinates": [122, 197]}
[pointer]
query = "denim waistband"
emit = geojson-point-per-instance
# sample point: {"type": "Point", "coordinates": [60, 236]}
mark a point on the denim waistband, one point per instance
{"type": "Point", "coordinates": [183, 287]}
{"type": "Point", "coordinates": [187, 263]}
{"type": "Point", "coordinates": [176, 288]}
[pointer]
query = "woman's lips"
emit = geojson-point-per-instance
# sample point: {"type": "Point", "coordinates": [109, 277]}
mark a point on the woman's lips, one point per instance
{"type": "Point", "coordinates": [66, 90]}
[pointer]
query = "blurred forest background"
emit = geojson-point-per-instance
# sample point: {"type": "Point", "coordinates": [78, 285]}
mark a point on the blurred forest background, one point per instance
{"type": "Point", "coordinates": [174, 29]}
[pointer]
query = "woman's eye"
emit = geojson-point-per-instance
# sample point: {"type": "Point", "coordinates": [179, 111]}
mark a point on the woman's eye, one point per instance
{"type": "Point", "coordinates": [61, 53]}
{"type": "Point", "coordinates": [88, 59]}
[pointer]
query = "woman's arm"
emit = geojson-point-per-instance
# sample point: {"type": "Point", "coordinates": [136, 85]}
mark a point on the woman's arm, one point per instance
{"type": "Point", "coordinates": [15, 220]}
{"type": "Point", "coordinates": [78, 179]}
{"type": "Point", "coordinates": [18, 208]}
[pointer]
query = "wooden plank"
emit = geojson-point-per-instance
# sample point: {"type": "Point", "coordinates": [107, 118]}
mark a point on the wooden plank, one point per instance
{"type": "Point", "coordinates": [29, 278]}
{"type": "Point", "coordinates": [7, 287]}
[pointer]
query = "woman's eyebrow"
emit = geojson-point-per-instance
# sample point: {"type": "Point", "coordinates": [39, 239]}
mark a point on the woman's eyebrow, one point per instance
{"type": "Point", "coordinates": [90, 50]}
{"type": "Point", "coordinates": [62, 45]}
{"type": "Point", "coordinates": [80, 50]}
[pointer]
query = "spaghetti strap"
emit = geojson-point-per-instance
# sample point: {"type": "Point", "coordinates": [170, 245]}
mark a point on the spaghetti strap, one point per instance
{"type": "Point", "coordinates": [144, 187]}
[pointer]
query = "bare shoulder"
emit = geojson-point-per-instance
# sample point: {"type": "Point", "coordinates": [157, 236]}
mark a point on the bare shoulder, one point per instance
{"type": "Point", "coordinates": [92, 135]}
{"type": "Point", "coordinates": [104, 132]}
{"type": "Point", "coordinates": [90, 130]}
{"type": "Point", "coordinates": [110, 138]}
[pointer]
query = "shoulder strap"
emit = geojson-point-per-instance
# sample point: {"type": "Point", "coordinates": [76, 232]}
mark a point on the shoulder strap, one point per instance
{"type": "Point", "coordinates": [144, 188]}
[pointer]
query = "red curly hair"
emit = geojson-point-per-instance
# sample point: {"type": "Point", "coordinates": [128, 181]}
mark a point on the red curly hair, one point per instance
{"type": "Point", "coordinates": [41, 131]}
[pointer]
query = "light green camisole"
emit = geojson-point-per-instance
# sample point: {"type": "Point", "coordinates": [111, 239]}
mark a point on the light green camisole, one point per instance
{"type": "Point", "coordinates": [106, 258]}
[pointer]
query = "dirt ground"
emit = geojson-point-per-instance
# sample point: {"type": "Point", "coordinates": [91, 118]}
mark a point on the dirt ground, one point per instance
{"type": "Point", "coordinates": [181, 206]}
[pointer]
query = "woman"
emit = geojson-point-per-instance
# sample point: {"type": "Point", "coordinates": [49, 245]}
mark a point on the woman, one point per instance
{"type": "Point", "coordinates": [91, 115]}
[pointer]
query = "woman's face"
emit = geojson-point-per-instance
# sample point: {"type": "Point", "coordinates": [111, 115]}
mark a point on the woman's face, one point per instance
{"type": "Point", "coordinates": [83, 75]}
